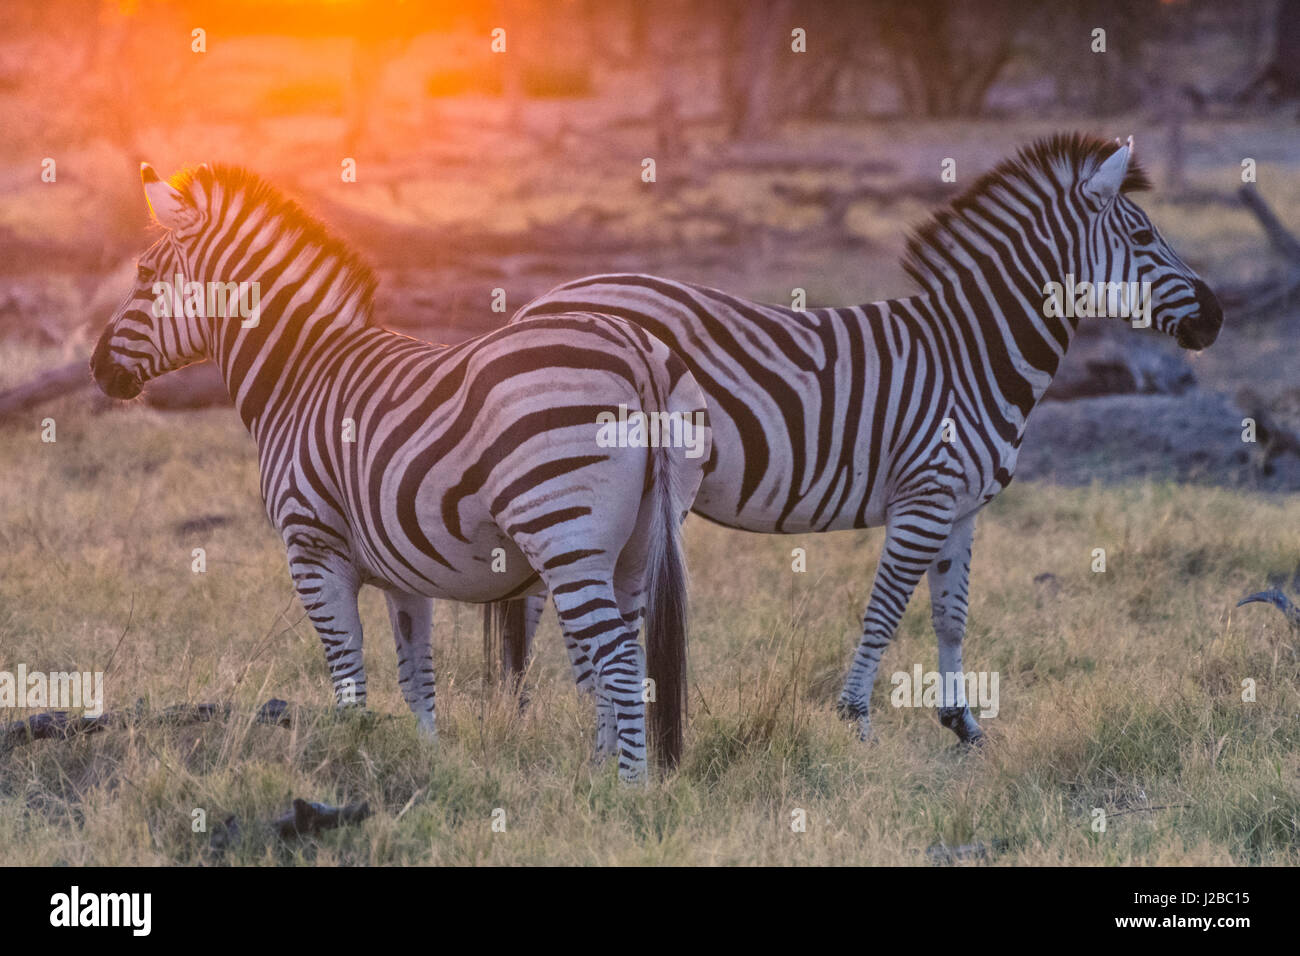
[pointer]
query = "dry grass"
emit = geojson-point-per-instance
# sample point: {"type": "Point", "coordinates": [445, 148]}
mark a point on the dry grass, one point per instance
{"type": "Point", "coordinates": [1121, 691]}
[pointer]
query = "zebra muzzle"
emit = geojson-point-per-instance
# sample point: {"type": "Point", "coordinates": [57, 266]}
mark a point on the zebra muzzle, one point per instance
{"type": "Point", "coordinates": [113, 380]}
{"type": "Point", "coordinates": [1200, 331]}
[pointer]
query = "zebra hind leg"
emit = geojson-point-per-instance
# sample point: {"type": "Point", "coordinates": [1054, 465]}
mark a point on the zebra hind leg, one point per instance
{"type": "Point", "coordinates": [508, 631]}
{"type": "Point", "coordinates": [949, 579]}
{"type": "Point", "coordinates": [412, 619]}
{"type": "Point", "coordinates": [584, 675]}
{"type": "Point", "coordinates": [592, 620]}
{"type": "Point", "coordinates": [511, 626]}
{"type": "Point", "coordinates": [517, 640]}
{"type": "Point", "coordinates": [629, 591]}
{"type": "Point", "coordinates": [914, 532]}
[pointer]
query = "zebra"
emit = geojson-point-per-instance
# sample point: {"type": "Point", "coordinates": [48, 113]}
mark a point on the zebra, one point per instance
{"type": "Point", "coordinates": [906, 412]}
{"type": "Point", "coordinates": [474, 472]}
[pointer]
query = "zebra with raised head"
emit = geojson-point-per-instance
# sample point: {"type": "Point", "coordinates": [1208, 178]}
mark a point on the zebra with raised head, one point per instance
{"type": "Point", "coordinates": [474, 472]}
{"type": "Point", "coordinates": [907, 412]}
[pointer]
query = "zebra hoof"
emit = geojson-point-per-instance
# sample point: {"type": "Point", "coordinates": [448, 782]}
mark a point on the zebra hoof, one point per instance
{"type": "Point", "coordinates": [637, 774]}
{"type": "Point", "coordinates": [961, 723]}
{"type": "Point", "coordinates": [856, 714]}
{"type": "Point", "coordinates": [848, 710]}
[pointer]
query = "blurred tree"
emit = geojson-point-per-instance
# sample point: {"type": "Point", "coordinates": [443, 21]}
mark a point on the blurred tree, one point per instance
{"type": "Point", "coordinates": [380, 31]}
{"type": "Point", "coordinates": [1102, 83]}
{"type": "Point", "coordinates": [842, 48]}
{"type": "Point", "coordinates": [947, 53]}
{"type": "Point", "coordinates": [756, 40]}
{"type": "Point", "coordinates": [1280, 77]}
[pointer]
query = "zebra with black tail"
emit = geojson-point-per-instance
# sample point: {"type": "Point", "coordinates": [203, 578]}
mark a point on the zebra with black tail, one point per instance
{"type": "Point", "coordinates": [909, 412]}
{"type": "Point", "coordinates": [474, 472]}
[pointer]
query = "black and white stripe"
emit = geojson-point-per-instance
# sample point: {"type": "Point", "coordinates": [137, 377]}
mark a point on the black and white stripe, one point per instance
{"type": "Point", "coordinates": [470, 472]}
{"type": "Point", "coordinates": [829, 419]}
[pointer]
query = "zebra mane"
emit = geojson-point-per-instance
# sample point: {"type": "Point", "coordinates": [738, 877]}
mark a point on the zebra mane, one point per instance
{"type": "Point", "coordinates": [284, 213]}
{"type": "Point", "coordinates": [1047, 165]}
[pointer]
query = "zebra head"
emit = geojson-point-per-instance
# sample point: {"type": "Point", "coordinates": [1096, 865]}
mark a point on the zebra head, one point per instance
{"type": "Point", "coordinates": [153, 330]}
{"type": "Point", "coordinates": [1126, 252]}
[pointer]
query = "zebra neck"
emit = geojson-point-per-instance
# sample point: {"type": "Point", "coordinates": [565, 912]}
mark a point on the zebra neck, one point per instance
{"type": "Point", "coordinates": [269, 368]}
{"type": "Point", "coordinates": [1002, 330]}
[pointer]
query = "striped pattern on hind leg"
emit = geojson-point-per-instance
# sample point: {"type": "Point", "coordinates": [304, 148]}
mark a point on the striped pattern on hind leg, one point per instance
{"type": "Point", "coordinates": [584, 676]}
{"type": "Point", "coordinates": [591, 619]}
{"type": "Point", "coordinates": [632, 608]}
{"type": "Point", "coordinates": [631, 602]}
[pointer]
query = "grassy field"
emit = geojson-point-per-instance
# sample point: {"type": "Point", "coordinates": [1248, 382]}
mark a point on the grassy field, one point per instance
{"type": "Point", "coordinates": [1119, 690]}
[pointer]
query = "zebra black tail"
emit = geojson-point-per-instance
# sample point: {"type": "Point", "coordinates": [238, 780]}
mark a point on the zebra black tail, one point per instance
{"type": "Point", "coordinates": [505, 642]}
{"type": "Point", "coordinates": [665, 633]}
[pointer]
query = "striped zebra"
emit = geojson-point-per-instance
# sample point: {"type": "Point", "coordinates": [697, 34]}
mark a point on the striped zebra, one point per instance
{"type": "Point", "coordinates": [907, 412]}
{"type": "Point", "coordinates": [475, 472]}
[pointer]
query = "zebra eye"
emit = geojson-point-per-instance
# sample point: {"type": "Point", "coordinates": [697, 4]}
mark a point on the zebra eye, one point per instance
{"type": "Point", "coordinates": [1144, 236]}
{"type": "Point", "coordinates": [144, 273]}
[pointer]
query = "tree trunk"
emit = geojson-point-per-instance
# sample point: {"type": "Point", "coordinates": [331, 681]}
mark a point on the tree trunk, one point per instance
{"type": "Point", "coordinates": [750, 68]}
{"type": "Point", "coordinates": [1280, 77]}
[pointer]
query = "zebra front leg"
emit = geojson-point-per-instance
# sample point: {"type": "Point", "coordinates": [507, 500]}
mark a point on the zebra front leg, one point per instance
{"type": "Point", "coordinates": [327, 588]}
{"type": "Point", "coordinates": [412, 619]}
{"type": "Point", "coordinates": [914, 533]}
{"type": "Point", "coordinates": [949, 578]}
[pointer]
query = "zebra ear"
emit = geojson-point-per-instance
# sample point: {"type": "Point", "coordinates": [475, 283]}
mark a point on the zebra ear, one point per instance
{"type": "Point", "coordinates": [1105, 183]}
{"type": "Point", "coordinates": [168, 205]}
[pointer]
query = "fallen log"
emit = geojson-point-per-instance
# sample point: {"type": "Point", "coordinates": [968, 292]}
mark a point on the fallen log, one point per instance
{"type": "Point", "coordinates": [1108, 359]}
{"type": "Point", "coordinates": [1260, 296]}
{"type": "Point", "coordinates": [62, 725]}
{"type": "Point", "coordinates": [46, 387]}
{"type": "Point", "coordinates": [186, 389]}
{"type": "Point", "coordinates": [196, 386]}
{"type": "Point", "coordinates": [1273, 434]}
{"type": "Point", "coordinates": [1278, 235]}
